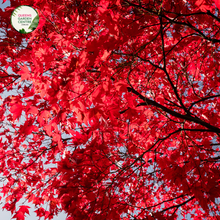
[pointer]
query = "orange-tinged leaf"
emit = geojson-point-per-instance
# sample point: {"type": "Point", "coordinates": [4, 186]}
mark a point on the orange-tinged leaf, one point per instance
{"type": "Point", "coordinates": [105, 55]}
{"type": "Point", "coordinates": [24, 72]}
{"type": "Point", "coordinates": [48, 129]}
{"type": "Point", "coordinates": [32, 110]}
{"type": "Point", "coordinates": [43, 117]}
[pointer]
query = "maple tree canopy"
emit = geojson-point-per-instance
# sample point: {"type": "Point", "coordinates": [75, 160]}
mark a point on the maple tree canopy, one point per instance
{"type": "Point", "coordinates": [110, 110]}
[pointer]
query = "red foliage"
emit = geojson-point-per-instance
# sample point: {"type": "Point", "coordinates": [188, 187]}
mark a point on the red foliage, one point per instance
{"type": "Point", "coordinates": [110, 110]}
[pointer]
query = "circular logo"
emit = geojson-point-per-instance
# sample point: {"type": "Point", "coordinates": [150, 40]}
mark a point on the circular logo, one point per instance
{"type": "Point", "coordinates": [24, 19]}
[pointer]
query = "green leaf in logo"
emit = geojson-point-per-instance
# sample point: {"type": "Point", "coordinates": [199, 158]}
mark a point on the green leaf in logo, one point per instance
{"type": "Point", "coordinates": [34, 23]}
{"type": "Point", "coordinates": [22, 31]}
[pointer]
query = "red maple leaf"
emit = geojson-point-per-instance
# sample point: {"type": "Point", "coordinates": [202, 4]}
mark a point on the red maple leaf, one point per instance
{"type": "Point", "coordinates": [20, 214]}
{"type": "Point", "coordinates": [217, 3]}
{"type": "Point", "coordinates": [16, 110]}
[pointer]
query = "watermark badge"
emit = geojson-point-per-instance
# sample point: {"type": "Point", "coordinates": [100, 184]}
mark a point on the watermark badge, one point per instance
{"type": "Point", "coordinates": [24, 19]}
